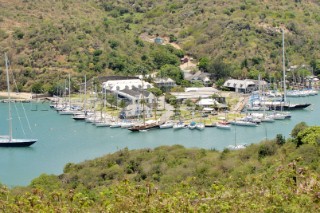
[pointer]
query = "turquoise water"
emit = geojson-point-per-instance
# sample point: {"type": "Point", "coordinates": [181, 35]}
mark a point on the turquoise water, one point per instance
{"type": "Point", "coordinates": [63, 140]}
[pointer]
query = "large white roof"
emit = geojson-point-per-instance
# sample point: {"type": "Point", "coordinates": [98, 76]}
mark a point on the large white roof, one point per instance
{"type": "Point", "coordinates": [238, 83]}
{"type": "Point", "coordinates": [114, 85]}
{"type": "Point", "coordinates": [207, 102]}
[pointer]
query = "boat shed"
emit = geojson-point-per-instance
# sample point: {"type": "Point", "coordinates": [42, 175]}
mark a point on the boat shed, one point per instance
{"type": "Point", "coordinates": [244, 86]}
{"type": "Point", "coordinates": [195, 93]}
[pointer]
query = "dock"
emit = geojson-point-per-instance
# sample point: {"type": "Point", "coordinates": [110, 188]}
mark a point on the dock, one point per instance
{"type": "Point", "coordinates": [241, 104]}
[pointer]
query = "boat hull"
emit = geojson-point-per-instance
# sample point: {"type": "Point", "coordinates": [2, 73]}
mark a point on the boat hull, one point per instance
{"type": "Point", "coordinates": [289, 107]}
{"type": "Point", "coordinates": [17, 142]}
{"type": "Point", "coordinates": [143, 127]}
{"type": "Point", "coordinates": [222, 126]}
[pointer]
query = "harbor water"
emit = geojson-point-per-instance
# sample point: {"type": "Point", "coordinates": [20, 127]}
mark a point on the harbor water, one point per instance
{"type": "Point", "coordinates": [62, 140]}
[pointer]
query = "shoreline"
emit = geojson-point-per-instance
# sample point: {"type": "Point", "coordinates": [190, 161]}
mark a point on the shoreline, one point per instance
{"type": "Point", "coordinates": [17, 95]}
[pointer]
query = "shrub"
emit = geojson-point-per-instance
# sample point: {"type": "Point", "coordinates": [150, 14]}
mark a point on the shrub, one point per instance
{"type": "Point", "coordinates": [280, 140]}
{"type": "Point", "coordinates": [18, 34]}
{"type": "Point", "coordinates": [266, 149]}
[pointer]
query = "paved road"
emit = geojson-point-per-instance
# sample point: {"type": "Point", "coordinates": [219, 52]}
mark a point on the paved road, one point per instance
{"type": "Point", "coordinates": [169, 109]}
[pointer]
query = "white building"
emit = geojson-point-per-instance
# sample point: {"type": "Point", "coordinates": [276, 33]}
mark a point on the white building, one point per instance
{"type": "Point", "coordinates": [210, 103]}
{"type": "Point", "coordinates": [164, 82]}
{"type": "Point", "coordinates": [197, 77]}
{"type": "Point", "coordinates": [196, 92]}
{"type": "Point", "coordinates": [135, 107]}
{"type": "Point", "coordinates": [116, 85]}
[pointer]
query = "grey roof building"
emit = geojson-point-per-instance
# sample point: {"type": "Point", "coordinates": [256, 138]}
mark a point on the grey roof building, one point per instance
{"type": "Point", "coordinates": [244, 86]}
{"type": "Point", "coordinates": [164, 82]}
{"type": "Point", "coordinates": [135, 107]}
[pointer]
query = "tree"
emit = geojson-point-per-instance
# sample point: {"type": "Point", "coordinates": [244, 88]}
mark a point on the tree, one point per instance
{"type": "Point", "coordinates": [155, 91]}
{"type": "Point", "coordinates": [177, 89]}
{"type": "Point", "coordinates": [298, 128]}
{"type": "Point", "coordinates": [218, 69]}
{"type": "Point", "coordinates": [172, 72]}
{"type": "Point", "coordinates": [280, 140]}
{"type": "Point", "coordinates": [203, 63]}
{"type": "Point", "coordinates": [310, 135]}
{"type": "Point", "coordinates": [219, 83]}
{"type": "Point", "coordinates": [112, 100]}
{"type": "Point", "coordinates": [122, 104]}
{"type": "Point", "coordinates": [163, 56]}
{"type": "Point", "coordinates": [315, 64]}
{"type": "Point", "coordinates": [37, 88]}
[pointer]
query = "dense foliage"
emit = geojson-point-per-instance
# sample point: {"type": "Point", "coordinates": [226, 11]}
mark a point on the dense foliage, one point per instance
{"type": "Point", "coordinates": [230, 38]}
{"type": "Point", "coordinates": [268, 177]}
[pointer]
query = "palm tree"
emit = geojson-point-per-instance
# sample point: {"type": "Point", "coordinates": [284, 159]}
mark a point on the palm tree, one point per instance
{"type": "Point", "coordinates": [143, 102]}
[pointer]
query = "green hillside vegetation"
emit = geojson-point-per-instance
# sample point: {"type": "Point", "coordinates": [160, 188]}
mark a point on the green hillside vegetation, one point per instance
{"type": "Point", "coordinates": [47, 40]}
{"type": "Point", "coordinates": [274, 176]}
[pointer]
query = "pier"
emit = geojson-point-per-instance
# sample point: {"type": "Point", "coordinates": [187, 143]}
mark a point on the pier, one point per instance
{"type": "Point", "coordinates": [241, 104]}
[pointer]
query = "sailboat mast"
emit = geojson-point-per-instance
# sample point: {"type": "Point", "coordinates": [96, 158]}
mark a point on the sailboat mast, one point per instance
{"type": "Point", "coordinates": [284, 70]}
{"type": "Point", "coordinates": [69, 92]}
{"type": "Point", "coordinates": [85, 93]}
{"type": "Point", "coordinates": [65, 93]}
{"type": "Point", "coordinates": [9, 99]}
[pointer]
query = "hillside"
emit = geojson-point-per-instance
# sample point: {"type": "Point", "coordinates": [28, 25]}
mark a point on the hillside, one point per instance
{"type": "Point", "coordinates": [98, 37]}
{"type": "Point", "coordinates": [274, 176]}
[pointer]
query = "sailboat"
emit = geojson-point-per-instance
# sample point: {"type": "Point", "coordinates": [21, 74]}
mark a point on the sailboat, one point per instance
{"type": "Point", "coordinates": [283, 104]}
{"type": "Point", "coordinates": [82, 115]}
{"type": "Point", "coordinates": [236, 146]}
{"type": "Point", "coordinates": [146, 125]}
{"type": "Point", "coordinates": [8, 140]}
{"type": "Point", "coordinates": [69, 110]}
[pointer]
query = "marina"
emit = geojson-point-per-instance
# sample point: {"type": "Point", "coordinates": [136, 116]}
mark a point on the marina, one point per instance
{"type": "Point", "coordinates": [62, 140]}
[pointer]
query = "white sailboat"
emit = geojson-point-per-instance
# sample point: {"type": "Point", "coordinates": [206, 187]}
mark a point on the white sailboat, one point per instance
{"type": "Point", "coordinates": [223, 125]}
{"type": "Point", "coordinates": [8, 140]}
{"type": "Point", "coordinates": [200, 126]}
{"type": "Point", "coordinates": [179, 125]}
{"type": "Point", "coordinates": [167, 125]}
{"type": "Point", "coordinates": [236, 146]}
{"type": "Point", "coordinates": [68, 110]}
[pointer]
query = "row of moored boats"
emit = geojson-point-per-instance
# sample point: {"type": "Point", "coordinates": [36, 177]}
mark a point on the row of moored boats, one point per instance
{"type": "Point", "coordinates": [103, 120]}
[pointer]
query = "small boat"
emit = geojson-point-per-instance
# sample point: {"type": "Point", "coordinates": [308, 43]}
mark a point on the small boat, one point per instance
{"type": "Point", "coordinates": [243, 123]}
{"type": "Point", "coordinates": [281, 116]}
{"type": "Point", "coordinates": [167, 125]}
{"type": "Point", "coordinates": [200, 126]}
{"type": "Point", "coordinates": [192, 125]}
{"type": "Point", "coordinates": [210, 125]}
{"type": "Point", "coordinates": [59, 107]}
{"type": "Point", "coordinates": [126, 124]}
{"type": "Point", "coordinates": [102, 122]}
{"type": "Point", "coordinates": [67, 111]}
{"type": "Point", "coordinates": [179, 125]}
{"type": "Point", "coordinates": [91, 119]}
{"type": "Point", "coordinates": [79, 117]}
{"type": "Point", "coordinates": [278, 116]}
{"type": "Point", "coordinates": [223, 125]}
{"type": "Point", "coordinates": [251, 119]}
{"type": "Point", "coordinates": [267, 119]}
{"type": "Point", "coordinates": [237, 147]}
{"type": "Point", "coordinates": [115, 125]}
